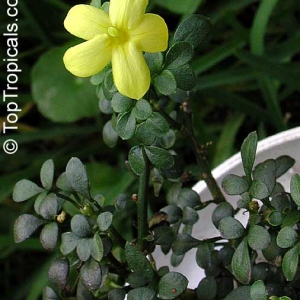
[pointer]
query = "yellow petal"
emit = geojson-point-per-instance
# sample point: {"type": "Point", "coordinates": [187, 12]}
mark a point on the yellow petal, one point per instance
{"type": "Point", "coordinates": [126, 14]}
{"type": "Point", "coordinates": [152, 34]}
{"type": "Point", "coordinates": [130, 71]}
{"type": "Point", "coordinates": [89, 58]}
{"type": "Point", "coordinates": [85, 21]}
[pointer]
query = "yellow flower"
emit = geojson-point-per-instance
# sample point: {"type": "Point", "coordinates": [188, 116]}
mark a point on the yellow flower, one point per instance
{"type": "Point", "coordinates": [120, 37]}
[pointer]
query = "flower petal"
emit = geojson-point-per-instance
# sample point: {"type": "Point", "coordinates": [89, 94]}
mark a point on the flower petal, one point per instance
{"type": "Point", "coordinates": [130, 71]}
{"type": "Point", "coordinates": [85, 21]}
{"type": "Point", "coordinates": [126, 14]}
{"type": "Point", "coordinates": [152, 34]}
{"type": "Point", "coordinates": [89, 58]}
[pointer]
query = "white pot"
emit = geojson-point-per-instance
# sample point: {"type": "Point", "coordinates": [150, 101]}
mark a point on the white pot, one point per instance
{"type": "Point", "coordinates": [284, 143]}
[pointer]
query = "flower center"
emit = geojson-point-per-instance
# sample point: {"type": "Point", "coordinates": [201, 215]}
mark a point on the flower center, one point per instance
{"type": "Point", "coordinates": [118, 36]}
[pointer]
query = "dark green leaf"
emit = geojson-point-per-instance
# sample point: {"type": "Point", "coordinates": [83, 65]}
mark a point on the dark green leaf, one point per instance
{"type": "Point", "coordinates": [80, 226]}
{"type": "Point", "coordinates": [168, 140]}
{"type": "Point", "coordinates": [290, 263]}
{"type": "Point", "coordinates": [189, 216]}
{"type": "Point", "coordinates": [273, 250]}
{"type": "Point", "coordinates": [144, 293]}
{"type": "Point", "coordinates": [234, 185]}
{"type": "Point", "coordinates": [164, 235]}
{"type": "Point", "coordinates": [84, 249]}
{"type": "Point", "coordinates": [222, 211]}
{"type": "Point", "coordinates": [49, 236]}
{"type": "Point", "coordinates": [144, 134]}
{"type": "Point", "coordinates": [242, 292]}
{"type": "Point", "coordinates": [176, 170]}
{"type": "Point", "coordinates": [159, 157]}
{"type": "Point", "coordinates": [275, 218]}
{"type": "Point", "coordinates": [183, 243]}
{"type": "Point", "coordinates": [121, 104]}
{"type": "Point", "coordinates": [174, 213]}
{"type": "Point", "coordinates": [138, 263]}
{"type": "Point", "coordinates": [91, 275]}
{"type": "Point", "coordinates": [259, 190]}
{"type": "Point", "coordinates": [49, 207]}
{"type": "Point", "coordinates": [207, 288]}
{"type": "Point", "coordinates": [241, 264]}
{"type": "Point", "coordinates": [116, 294]}
{"type": "Point", "coordinates": [142, 109]}
{"type": "Point", "coordinates": [172, 285]}
{"type": "Point", "coordinates": [58, 273]}
{"type": "Point", "coordinates": [258, 291]}
{"type": "Point", "coordinates": [121, 201]}
{"type": "Point", "coordinates": [136, 160]}
{"type": "Point", "coordinates": [295, 188]}
{"type": "Point", "coordinates": [231, 228]}
{"type": "Point", "coordinates": [165, 83]}
{"type": "Point", "coordinates": [258, 237]}
{"type": "Point", "coordinates": [266, 173]}
{"type": "Point", "coordinates": [47, 173]}
{"type": "Point", "coordinates": [77, 177]}
{"type": "Point", "coordinates": [286, 237]}
{"type": "Point", "coordinates": [155, 62]}
{"type": "Point", "coordinates": [178, 55]}
{"type": "Point", "coordinates": [291, 218]}
{"type": "Point", "coordinates": [248, 151]}
{"type": "Point", "coordinates": [126, 125]}
{"type": "Point", "coordinates": [109, 88]}
{"type": "Point", "coordinates": [25, 226]}
{"type": "Point", "coordinates": [203, 255]}
{"type": "Point", "coordinates": [25, 189]}
{"type": "Point", "coordinates": [158, 124]}
{"type": "Point", "coordinates": [283, 164]}
{"type": "Point", "coordinates": [194, 30]}
{"type": "Point", "coordinates": [185, 77]}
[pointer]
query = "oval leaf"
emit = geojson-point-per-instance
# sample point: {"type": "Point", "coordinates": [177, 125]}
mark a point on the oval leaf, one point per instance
{"type": "Point", "coordinates": [91, 275]}
{"type": "Point", "coordinates": [290, 263]}
{"type": "Point", "coordinates": [258, 237]}
{"type": "Point", "coordinates": [126, 125]}
{"type": "Point", "coordinates": [183, 243]}
{"type": "Point", "coordinates": [80, 226]}
{"type": "Point", "coordinates": [58, 273]}
{"type": "Point", "coordinates": [104, 220]}
{"type": "Point", "coordinates": [286, 237]}
{"type": "Point", "coordinates": [171, 285]}
{"type": "Point", "coordinates": [136, 160]}
{"type": "Point", "coordinates": [159, 157]}
{"type": "Point", "coordinates": [231, 228]}
{"type": "Point", "coordinates": [144, 293]}
{"type": "Point", "coordinates": [49, 236]}
{"type": "Point", "coordinates": [222, 211]}
{"type": "Point", "coordinates": [248, 152]}
{"type": "Point", "coordinates": [234, 185]}
{"type": "Point", "coordinates": [295, 188]}
{"type": "Point", "coordinates": [47, 174]}
{"type": "Point", "coordinates": [25, 189]}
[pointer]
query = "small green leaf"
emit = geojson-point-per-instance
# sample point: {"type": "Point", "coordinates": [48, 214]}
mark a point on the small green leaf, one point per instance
{"type": "Point", "coordinates": [165, 83]}
{"type": "Point", "coordinates": [242, 292]}
{"type": "Point", "coordinates": [80, 226]}
{"type": "Point", "coordinates": [207, 288]}
{"type": "Point", "coordinates": [155, 62]}
{"type": "Point", "coordinates": [248, 152]}
{"type": "Point", "coordinates": [104, 220]}
{"type": "Point", "coordinates": [110, 136]}
{"type": "Point", "coordinates": [116, 294]}
{"type": "Point", "coordinates": [69, 242]}
{"type": "Point", "coordinates": [171, 285]}
{"type": "Point", "coordinates": [63, 184]}
{"type": "Point", "coordinates": [183, 243]}
{"type": "Point", "coordinates": [159, 157]}
{"type": "Point", "coordinates": [164, 235]}
{"type": "Point", "coordinates": [49, 207]}
{"type": "Point", "coordinates": [234, 185]}
{"type": "Point", "coordinates": [136, 160]}
{"type": "Point", "coordinates": [258, 237]}
{"type": "Point", "coordinates": [231, 228]}
{"type": "Point", "coordinates": [194, 30]}
{"type": "Point", "coordinates": [258, 291]}
{"type": "Point", "coordinates": [266, 173]}
{"type": "Point", "coordinates": [222, 211]}
{"type": "Point", "coordinates": [295, 188]}
{"type": "Point", "coordinates": [168, 140]}
{"type": "Point", "coordinates": [91, 275]}
{"type": "Point", "coordinates": [121, 104]}
{"type": "Point", "coordinates": [185, 77]}
{"type": "Point", "coordinates": [290, 263]}
{"type": "Point", "coordinates": [283, 164]}
{"type": "Point", "coordinates": [203, 255]}
{"type": "Point", "coordinates": [144, 293]}
{"type": "Point", "coordinates": [121, 201]}
{"type": "Point", "coordinates": [189, 216]}
{"type": "Point", "coordinates": [158, 124]}
{"type": "Point", "coordinates": [273, 250]}
{"type": "Point", "coordinates": [25, 189]}
{"type": "Point", "coordinates": [286, 237]}
{"type": "Point", "coordinates": [188, 197]}
{"type": "Point", "coordinates": [97, 248]}
{"type": "Point", "coordinates": [77, 177]}
{"type": "Point", "coordinates": [144, 134]}
{"type": "Point", "coordinates": [174, 213]}
{"type": "Point", "coordinates": [49, 236]}
{"type": "Point", "coordinates": [241, 264]}
{"type": "Point", "coordinates": [25, 226]}
{"type": "Point", "coordinates": [142, 109]}
{"type": "Point", "coordinates": [259, 190]}
{"type": "Point", "coordinates": [58, 273]}
{"type": "Point", "coordinates": [83, 249]}
{"type": "Point", "coordinates": [47, 174]}
{"type": "Point", "coordinates": [49, 294]}
{"type": "Point", "coordinates": [126, 125]}
{"type": "Point", "coordinates": [138, 263]}
{"type": "Point", "coordinates": [291, 218]}
{"type": "Point", "coordinates": [109, 89]}
{"type": "Point", "coordinates": [178, 55]}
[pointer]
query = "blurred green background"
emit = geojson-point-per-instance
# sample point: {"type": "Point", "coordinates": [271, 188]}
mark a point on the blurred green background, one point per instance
{"type": "Point", "coordinates": [247, 79]}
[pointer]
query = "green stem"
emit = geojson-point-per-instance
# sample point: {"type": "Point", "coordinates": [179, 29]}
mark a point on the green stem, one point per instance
{"type": "Point", "coordinates": [201, 158]}
{"type": "Point", "coordinates": [142, 204]}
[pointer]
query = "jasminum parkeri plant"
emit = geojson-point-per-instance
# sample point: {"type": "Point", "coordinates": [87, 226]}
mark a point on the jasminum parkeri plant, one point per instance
{"type": "Point", "coordinates": [105, 246]}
